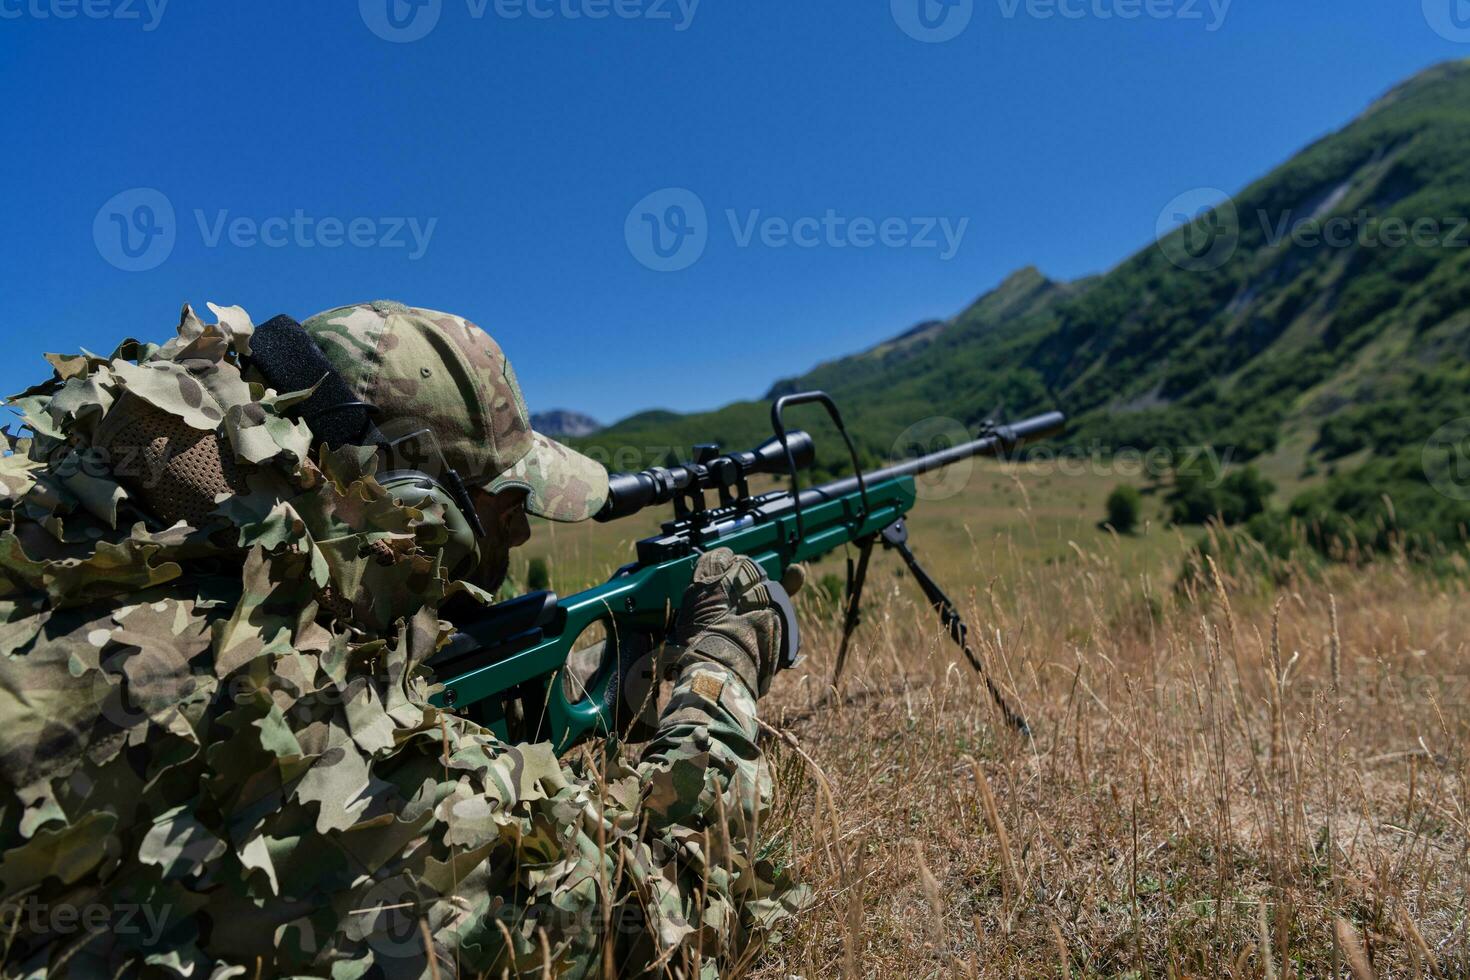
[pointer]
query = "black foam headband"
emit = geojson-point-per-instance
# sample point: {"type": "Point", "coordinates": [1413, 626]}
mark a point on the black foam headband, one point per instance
{"type": "Point", "coordinates": [289, 360]}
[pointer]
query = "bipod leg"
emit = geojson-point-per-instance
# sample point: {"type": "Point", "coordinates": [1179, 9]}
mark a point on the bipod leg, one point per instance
{"type": "Point", "coordinates": [856, 576]}
{"type": "Point", "coordinates": [896, 538]}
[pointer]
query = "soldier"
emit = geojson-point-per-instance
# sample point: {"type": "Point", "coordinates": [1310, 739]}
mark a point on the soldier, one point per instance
{"type": "Point", "coordinates": [219, 755]}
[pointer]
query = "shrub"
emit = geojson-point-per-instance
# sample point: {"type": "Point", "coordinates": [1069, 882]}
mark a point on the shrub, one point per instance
{"type": "Point", "coordinates": [538, 575]}
{"type": "Point", "coordinates": [1244, 494]}
{"type": "Point", "coordinates": [1193, 498]}
{"type": "Point", "coordinates": [1124, 505]}
{"type": "Point", "coordinates": [1200, 495]}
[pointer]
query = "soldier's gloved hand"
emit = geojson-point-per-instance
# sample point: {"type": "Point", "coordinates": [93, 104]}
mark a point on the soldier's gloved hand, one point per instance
{"type": "Point", "coordinates": [727, 618]}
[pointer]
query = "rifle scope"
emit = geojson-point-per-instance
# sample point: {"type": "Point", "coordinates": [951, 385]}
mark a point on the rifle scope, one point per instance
{"type": "Point", "coordinates": [628, 493]}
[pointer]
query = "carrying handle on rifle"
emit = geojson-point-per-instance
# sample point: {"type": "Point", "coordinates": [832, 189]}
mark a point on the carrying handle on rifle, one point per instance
{"type": "Point", "coordinates": [778, 423]}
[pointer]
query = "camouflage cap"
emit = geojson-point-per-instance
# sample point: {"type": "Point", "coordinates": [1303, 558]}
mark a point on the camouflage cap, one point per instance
{"type": "Point", "coordinates": [428, 370]}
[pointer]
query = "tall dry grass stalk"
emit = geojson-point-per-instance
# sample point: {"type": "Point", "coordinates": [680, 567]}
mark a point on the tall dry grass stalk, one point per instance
{"type": "Point", "coordinates": [1234, 781]}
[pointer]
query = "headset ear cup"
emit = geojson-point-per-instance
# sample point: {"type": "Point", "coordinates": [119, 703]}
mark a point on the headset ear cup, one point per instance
{"type": "Point", "coordinates": [461, 551]}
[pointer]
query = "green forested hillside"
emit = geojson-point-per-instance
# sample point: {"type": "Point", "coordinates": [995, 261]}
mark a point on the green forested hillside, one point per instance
{"type": "Point", "coordinates": [960, 369]}
{"type": "Point", "coordinates": [1345, 339]}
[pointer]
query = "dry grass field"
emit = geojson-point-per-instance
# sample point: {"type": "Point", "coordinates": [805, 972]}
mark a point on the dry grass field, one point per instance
{"type": "Point", "coordinates": [1227, 779]}
{"type": "Point", "coordinates": [1235, 783]}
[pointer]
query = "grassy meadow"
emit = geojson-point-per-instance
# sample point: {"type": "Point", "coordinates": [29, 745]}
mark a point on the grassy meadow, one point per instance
{"type": "Point", "coordinates": [1224, 779]}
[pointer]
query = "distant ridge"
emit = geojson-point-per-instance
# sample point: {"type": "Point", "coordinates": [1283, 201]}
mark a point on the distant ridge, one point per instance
{"type": "Point", "coordinates": [561, 424]}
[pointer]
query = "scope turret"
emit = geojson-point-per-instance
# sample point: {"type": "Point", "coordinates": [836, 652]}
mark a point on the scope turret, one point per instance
{"type": "Point", "coordinates": [628, 493]}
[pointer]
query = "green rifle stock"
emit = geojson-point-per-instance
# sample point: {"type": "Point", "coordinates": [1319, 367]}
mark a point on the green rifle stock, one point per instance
{"type": "Point", "coordinates": [506, 668]}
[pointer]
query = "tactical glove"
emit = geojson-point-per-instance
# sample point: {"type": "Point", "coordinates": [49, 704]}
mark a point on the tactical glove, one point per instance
{"type": "Point", "coordinates": [728, 618]}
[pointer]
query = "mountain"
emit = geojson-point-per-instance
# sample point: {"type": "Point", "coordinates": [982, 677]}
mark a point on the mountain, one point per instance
{"type": "Point", "coordinates": [561, 424]}
{"type": "Point", "coordinates": [1326, 306]}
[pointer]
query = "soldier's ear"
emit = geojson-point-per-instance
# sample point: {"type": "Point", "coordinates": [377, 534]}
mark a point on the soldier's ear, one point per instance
{"type": "Point", "coordinates": [412, 488]}
{"type": "Point", "coordinates": [506, 509]}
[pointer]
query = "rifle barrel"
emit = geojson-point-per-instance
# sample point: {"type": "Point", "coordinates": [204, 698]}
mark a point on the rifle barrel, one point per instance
{"type": "Point", "coordinates": [1003, 439]}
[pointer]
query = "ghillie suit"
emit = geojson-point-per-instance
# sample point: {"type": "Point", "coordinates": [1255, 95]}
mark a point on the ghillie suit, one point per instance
{"type": "Point", "coordinates": [218, 754]}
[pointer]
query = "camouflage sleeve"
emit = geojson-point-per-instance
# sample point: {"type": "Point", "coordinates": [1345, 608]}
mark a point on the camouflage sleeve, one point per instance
{"type": "Point", "coordinates": [706, 792]}
{"type": "Point", "coordinates": [662, 876]}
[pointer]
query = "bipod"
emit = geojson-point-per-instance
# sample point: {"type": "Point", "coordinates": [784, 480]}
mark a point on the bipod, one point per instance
{"type": "Point", "coordinates": [856, 576]}
{"type": "Point", "coordinates": [896, 538]}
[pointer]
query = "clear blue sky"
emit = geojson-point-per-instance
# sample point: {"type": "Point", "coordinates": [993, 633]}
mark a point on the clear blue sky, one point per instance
{"type": "Point", "coordinates": [527, 141]}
